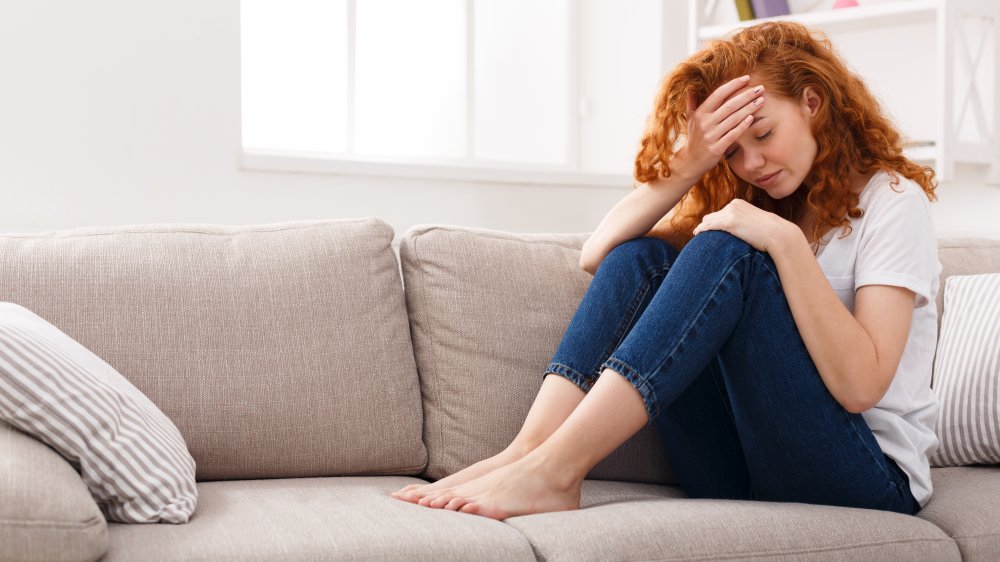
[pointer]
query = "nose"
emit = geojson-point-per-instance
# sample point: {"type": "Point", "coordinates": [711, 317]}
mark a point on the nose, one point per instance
{"type": "Point", "coordinates": [753, 160]}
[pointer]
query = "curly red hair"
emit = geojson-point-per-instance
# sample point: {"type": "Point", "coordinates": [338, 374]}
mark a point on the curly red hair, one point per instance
{"type": "Point", "coordinates": [850, 128]}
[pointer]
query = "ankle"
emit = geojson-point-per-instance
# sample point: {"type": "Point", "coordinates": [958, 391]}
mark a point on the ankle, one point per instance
{"type": "Point", "coordinates": [560, 472]}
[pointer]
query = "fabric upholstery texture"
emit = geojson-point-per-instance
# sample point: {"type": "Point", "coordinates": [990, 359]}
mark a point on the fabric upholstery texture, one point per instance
{"type": "Point", "coordinates": [629, 521]}
{"type": "Point", "coordinates": [278, 350]}
{"type": "Point", "coordinates": [344, 518]}
{"type": "Point", "coordinates": [965, 256]}
{"type": "Point", "coordinates": [484, 322]}
{"type": "Point", "coordinates": [487, 310]}
{"type": "Point", "coordinates": [131, 457]}
{"type": "Point", "coordinates": [967, 372]}
{"type": "Point", "coordinates": [965, 506]}
{"type": "Point", "coordinates": [46, 511]}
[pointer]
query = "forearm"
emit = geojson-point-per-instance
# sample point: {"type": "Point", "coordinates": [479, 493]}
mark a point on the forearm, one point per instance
{"type": "Point", "coordinates": [840, 347]}
{"type": "Point", "coordinates": [634, 215]}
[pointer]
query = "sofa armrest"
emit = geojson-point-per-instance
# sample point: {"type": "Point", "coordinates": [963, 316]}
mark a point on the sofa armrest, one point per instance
{"type": "Point", "coordinates": [46, 511]}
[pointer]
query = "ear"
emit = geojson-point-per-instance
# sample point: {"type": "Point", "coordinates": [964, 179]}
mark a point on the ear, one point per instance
{"type": "Point", "coordinates": [810, 101]}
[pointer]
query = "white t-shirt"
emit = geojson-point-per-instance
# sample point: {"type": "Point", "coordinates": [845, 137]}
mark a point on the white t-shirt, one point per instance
{"type": "Point", "coordinates": [894, 243]}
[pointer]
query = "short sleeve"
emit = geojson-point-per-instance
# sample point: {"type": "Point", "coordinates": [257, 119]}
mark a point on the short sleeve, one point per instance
{"type": "Point", "coordinates": [899, 245]}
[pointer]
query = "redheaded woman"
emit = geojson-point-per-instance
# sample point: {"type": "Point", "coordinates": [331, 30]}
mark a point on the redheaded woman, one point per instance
{"type": "Point", "coordinates": [765, 297]}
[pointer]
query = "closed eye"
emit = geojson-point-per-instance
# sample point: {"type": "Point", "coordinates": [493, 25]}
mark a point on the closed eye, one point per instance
{"type": "Point", "coordinates": [758, 139]}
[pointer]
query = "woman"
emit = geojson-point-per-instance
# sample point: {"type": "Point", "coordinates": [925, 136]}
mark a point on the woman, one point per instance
{"type": "Point", "coordinates": [778, 325]}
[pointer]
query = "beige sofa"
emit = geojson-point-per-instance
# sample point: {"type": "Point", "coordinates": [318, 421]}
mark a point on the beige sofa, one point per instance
{"type": "Point", "coordinates": [309, 384]}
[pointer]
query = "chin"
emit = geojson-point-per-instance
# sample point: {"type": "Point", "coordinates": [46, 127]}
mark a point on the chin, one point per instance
{"type": "Point", "coordinates": [782, 190]}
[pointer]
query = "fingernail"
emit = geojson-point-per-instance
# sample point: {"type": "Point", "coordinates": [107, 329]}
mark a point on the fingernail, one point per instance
{"type": "Point", "coordinates": [758, 101]}
{"type": "Point", "coordinates": [745, 78]}
{"type": "Point", "coordinates": [758, 89]}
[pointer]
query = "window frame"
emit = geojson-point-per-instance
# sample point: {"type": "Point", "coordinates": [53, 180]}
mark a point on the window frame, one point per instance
{"type": "Point", "coordinates": [463, 169]}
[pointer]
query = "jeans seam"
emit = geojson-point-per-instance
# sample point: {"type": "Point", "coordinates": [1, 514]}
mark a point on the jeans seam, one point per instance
{"type": "Point", "coordinates": [643, 381]}
{"type": "Point", "coordinates": [701, 311]}
{"type": "Point", "coordinates": [630, 314]}
{"type": "Point", "coordinates": [885, 469]}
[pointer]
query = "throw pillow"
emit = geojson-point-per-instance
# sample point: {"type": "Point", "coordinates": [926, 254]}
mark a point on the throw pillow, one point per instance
{"type": "Point", "coordinates": [130, 455]}
{"type": "Point", "coordinates": [967, 372]}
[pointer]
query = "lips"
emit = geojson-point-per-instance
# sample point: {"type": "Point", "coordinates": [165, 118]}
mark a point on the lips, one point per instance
{"type": "Point", "coordinates": [766, 179]}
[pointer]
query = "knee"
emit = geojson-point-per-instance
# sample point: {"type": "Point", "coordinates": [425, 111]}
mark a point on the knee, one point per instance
{"type": "Point", "coordinates": [644, 251]}
{"type": "Point", "coordinates": [718, 243]}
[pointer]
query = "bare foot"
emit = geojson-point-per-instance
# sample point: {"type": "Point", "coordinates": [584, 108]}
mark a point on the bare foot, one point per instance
{"type": "Point", "coordinates": [523, 487]}
{"type": "Point", "coordinates": [414, 492]}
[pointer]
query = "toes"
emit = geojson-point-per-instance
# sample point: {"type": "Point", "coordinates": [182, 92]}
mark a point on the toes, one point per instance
{"type": "Point", "coordinates": [469, 507]}
{"type": "Point", "coordinates": [433, 497]}
{"type": "Point", "coordinates": [456, 503]}
{"type": "Point", "coordinates": [405, 498]}
{"type": "Point", "coordinates": [441, 500]}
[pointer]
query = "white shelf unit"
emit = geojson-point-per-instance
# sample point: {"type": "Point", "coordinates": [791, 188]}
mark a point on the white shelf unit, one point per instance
{"type": "Point", "coordinates": [954, 46]}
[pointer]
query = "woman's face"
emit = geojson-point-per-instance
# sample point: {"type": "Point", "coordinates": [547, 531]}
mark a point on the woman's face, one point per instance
{"type": "Point", "coordinates": [777, 152]}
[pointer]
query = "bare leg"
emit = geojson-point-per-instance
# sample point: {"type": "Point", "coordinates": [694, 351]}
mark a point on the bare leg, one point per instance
{"type": "Point", "coordinates": [549, 477]}
{"type": "Point", "coordinates": [556, 400]}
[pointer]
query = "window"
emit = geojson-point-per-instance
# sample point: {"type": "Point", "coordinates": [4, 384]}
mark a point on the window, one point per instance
{"type": "Point", "coordinates": [472, 89]}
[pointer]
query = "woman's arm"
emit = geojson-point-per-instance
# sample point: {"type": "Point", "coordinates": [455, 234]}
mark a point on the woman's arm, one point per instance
{"type": "Point", "coordinates": [634, 216]}
{"type": "Point", "coordinates": [856, 355]}
{"type": "Point", "coordinates": [712, 127]}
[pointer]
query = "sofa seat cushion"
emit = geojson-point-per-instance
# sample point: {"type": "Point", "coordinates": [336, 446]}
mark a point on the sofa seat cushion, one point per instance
{"type": "Point", "coordinates": [279, 350]}
{"type": "Point", "coordinates": [46, 512]}
{"type": "Point", "coordinates": [339, 518]}
{"type": "Point", "coordinates": [966, 505]}
{"type": "Point", "coordinates": [634, 521]}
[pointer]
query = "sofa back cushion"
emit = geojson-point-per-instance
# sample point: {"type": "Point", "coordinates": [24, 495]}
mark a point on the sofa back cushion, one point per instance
{"type": "Point", "coordinates": [487, 311]}
{"type": "Point", "coordinates": [965, 256]}
{"type": "Point", "coordinates": [278, 350]}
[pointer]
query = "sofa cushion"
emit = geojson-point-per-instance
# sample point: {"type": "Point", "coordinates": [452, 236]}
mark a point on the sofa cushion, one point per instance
{"type": "Point", "coordinates": [629, 521]}
{"type": "Point", "coordinates": [487, 311]}
{"type": "Point", "coordinates": [46, 511]}
{"type": "Point", "coordinates": [278, 350]}
{"type": "Point", "coordinates": [966, 505]}
{"type": "Point", "coordinates": [344, 518]}
{"type": "Point", "coordinates": [131, 457]}
{"type": "Point", "coordinates": [965, 256]}
{"type": "Point", "coordinates": [967, 372]}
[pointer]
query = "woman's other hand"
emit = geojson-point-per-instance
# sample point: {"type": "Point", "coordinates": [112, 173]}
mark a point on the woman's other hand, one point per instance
{"type": "Point", "coordinates": [717, 123]}
{"type": "Point", "coordinates": [761, 229]}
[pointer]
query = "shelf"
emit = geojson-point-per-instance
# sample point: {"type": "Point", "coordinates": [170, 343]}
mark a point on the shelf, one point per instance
{"type": "Point", "coordinates": [904, 11]}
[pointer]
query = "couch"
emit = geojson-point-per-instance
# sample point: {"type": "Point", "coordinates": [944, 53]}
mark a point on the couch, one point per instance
{"type": "Point", "coordinates": [313, 369]}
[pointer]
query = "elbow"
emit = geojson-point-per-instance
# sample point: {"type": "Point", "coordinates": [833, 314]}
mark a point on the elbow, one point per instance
{"type": "Point", "coordinates": [587, 263]}
{"type": "Point", "coordinates": [860, 404]}
{"type": "Point", "coordinates": [856, 408]}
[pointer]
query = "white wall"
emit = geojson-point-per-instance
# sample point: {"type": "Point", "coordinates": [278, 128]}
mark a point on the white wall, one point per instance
{"type": "Point", "coordinates": [115, 112]}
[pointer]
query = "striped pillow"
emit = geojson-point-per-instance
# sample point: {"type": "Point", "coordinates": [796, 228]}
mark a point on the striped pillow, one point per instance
{"type": "Point", "coordinates": [129, 454]}
{"type": "Point", "coordinates": [967, 372]}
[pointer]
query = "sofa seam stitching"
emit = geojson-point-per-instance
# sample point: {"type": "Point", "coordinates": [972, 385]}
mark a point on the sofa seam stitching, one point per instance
{"type": "Point", "coordinates": [498, 237]}
{"type": "Point", "coordinates": [430, 336]}
{"type": "Point", "coordinates": [42, 235]}
{"type": "Point", "coordinates": [769, 554]}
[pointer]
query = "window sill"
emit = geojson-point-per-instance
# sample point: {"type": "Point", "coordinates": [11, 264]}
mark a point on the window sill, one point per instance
{"type": "Point", "coordinates": [318, 163]}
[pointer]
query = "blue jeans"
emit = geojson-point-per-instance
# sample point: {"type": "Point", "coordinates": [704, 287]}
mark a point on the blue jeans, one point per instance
{"type": "Point", "coordinates": [707, 338]}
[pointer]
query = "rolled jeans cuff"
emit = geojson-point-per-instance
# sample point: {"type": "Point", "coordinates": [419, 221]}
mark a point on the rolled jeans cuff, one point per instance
{"type": "Point", "coordinates": [585, 383]}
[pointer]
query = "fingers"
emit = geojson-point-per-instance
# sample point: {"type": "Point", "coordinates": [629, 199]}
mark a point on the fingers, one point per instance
{"type": "Point", "coordinates": [692, 105]}
{"type": "Point", "coordinates": [716, 99]}
{"type": "Point", "coordinates": [726, 140]}
{"type": "Point", "coordinates": [740, 100]}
